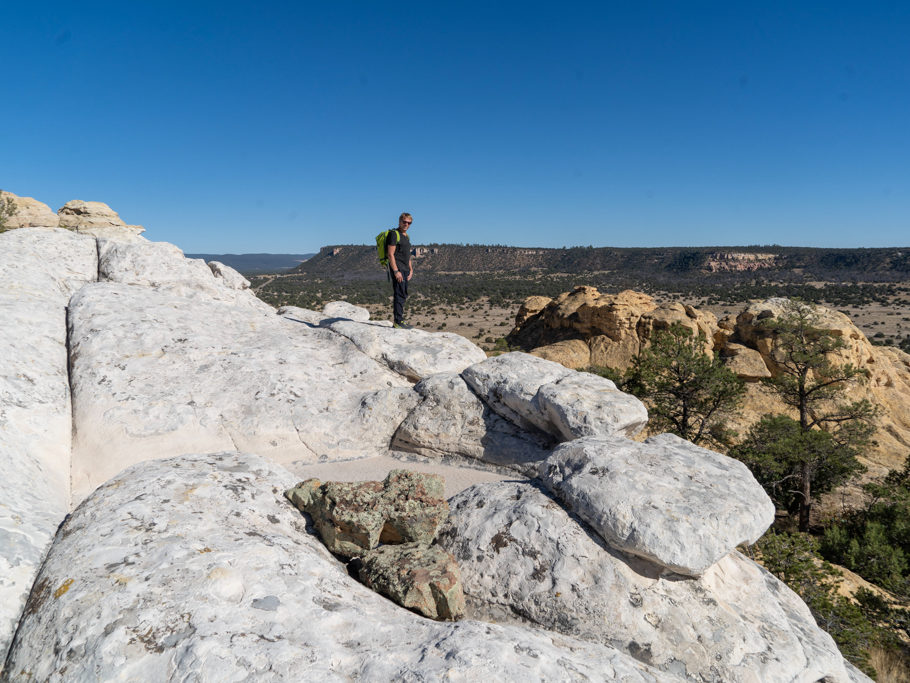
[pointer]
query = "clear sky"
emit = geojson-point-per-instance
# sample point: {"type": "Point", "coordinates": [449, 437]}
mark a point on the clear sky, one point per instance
{"type": "Point", "coordinates": [283, 126]}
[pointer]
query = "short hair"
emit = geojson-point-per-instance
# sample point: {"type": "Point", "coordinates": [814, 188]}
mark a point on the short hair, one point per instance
{"type": "Point", "coordinates": [403, 216]}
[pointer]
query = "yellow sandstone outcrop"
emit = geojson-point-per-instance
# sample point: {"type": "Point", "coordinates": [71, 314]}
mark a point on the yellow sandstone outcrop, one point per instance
{"type": "Point", "coordinates": [585, 327]}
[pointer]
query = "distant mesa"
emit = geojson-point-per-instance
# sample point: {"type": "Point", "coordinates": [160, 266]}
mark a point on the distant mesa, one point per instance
{"type": "Point", "coordinates": [655, 264]}
{"type": "Point", "coordinates": [253, 264]}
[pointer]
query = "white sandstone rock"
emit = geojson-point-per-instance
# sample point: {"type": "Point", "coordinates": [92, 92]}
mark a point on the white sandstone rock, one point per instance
{"type": "Point", "coordinates": [39, 268]}
{"type": "Point", "coordinates": [151, 264]}
{"type": "Point", "coordinates": [509, 384]}
{"type": "Point", "coordinates": [451, 420]}
{"type": "Point", "coordinates": [345, 311]}
{"type": "Point", "coordinates": [301, 315]}
{"type": "Point", "coordinates": [156, 374]}
{"type": "Point", "coordinates": [196, 568]}
{"type": "Point", "coordinates": [43, 263]}
{"type": "Point", "coordinates": [163, 265]}
{"type": "Point", "coordinates": [666, 500]}
{"type": "Point", "coordinates": [413, 353]}
{"type": "Point", "coordinates": [231, 278]}
{"type": "Point", "coordinates": [535, 393]}
{"type": "Point", "coordinates": [522, 555]}
{"type": "Point", "coordinates": [584, 404]}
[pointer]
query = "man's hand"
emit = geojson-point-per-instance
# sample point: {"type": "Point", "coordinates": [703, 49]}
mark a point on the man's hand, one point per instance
{"type": "Point", "coordinates": [410, 274]}
{"type": "Point", "coordinates": [399, 277]}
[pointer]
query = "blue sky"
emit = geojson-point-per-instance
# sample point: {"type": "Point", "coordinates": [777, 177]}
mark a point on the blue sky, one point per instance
{"type": "Point", "coordinates": [283, 126]}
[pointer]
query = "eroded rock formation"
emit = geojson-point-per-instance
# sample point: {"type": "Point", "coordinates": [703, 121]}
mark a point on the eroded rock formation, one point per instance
{"type": "Point", "coordinates": [584, 327]}
{"type": "Point", "coordinates": [165, 408]}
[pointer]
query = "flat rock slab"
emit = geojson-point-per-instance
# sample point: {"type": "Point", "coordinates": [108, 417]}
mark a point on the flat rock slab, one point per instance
{"type": "Point", "coordinates": [354, 517]}
{"type": "Point", "coordinates": [159, 373]}
{"type": "Point", "coordinates": [415, 354]}
{"type": "Point", "coordinates": [196, 568]}
{"type": "Point", "coordinates": [521, 555]}
{"type": "Point", "coordinates": [451, 420]}
{"type": "Point", "coordinates": [666, 500]}
{"type": "Point", "coordinates": [417, 577]}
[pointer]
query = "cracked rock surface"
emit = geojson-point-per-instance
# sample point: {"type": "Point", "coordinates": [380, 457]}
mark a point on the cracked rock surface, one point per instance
{"type": "Point", "coordinates": [157, 373]}
{"type": "Point", "coordinates": [39, 270]}
{"type": "Point", "coordinates": [121, 357]}
{"type": "Point", "coordinates": [520, 553]}
{"type": "Point", "coordinates": [196, 568]}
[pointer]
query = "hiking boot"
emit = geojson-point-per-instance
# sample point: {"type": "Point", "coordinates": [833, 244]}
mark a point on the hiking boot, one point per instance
{"type": "Point", "coordinates": [402, 326]}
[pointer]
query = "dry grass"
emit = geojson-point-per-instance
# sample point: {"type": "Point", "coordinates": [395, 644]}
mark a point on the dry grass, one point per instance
{"type": "Point", "coordinates": [477, 321]}
{"type": "Point", "coordinates": [890, 666]}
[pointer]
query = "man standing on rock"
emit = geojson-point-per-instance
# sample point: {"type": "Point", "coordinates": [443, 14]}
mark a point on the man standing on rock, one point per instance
{"type": "Point", "coordinates": [399, 247]}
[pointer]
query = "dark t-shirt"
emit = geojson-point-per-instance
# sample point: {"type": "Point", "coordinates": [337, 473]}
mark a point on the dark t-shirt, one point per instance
{"type": "Point", "coordinates": [402, 250]}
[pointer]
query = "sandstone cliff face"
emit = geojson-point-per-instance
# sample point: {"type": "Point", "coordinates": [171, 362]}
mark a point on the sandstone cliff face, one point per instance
{"type": "Point", "coordinates": [165, 409]}
{"type": "Point", "coordinates": [725, 262]}
{"type": "Point", "coordinates": [584, 327]}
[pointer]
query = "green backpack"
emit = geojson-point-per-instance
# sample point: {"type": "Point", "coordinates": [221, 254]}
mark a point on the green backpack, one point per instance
{"type": "Point", "coordinates": [381, 247]}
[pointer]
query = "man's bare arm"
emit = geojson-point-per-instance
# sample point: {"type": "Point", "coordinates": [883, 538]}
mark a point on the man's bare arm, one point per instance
{"type": "Point", "coordinates": [393, 263]}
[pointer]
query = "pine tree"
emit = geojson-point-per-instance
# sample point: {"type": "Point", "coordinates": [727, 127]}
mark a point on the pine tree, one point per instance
{"type": "Point", "coordinates": [688, 391]}
{"type": "Point", "coordinates": [798, 459]}
{"type": "Point", "coordinates": [7, 209]}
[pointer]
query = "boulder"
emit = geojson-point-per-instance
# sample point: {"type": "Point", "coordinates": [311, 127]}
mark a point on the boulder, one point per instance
{"type": "Point", "coordinates": [354, 517]}
{"type": "Point", "coordinates": [344, 513]}
{"type": "Point", "coordinates": [584, 404]}
{"type": "Point", "coordinates": [450, 420]}
{"type": "Point", "coordinates": [509, 383]}
{"type": "Point", "coordinates": [585, 313]}
{"type": "Point", "coordinates": [523, 557]}
{"type": "Point", "coordinates": [538, 394]}
{"type": "Point", "coordinates": [615, 327]}
{"type": "Point", "coordinates": [345, 311]}
{"type": "Point", "coordinates": [676, 504]}
{"type": "Point", "coordinates": [417, 577]}
{"type": "Point", "coordinates": [195, 568]}
{"type": "Point", "coordinates": [414, 354]}
{"type": "Point", "coordinates": [156, 373]}
{"type": "Point", "coordinates": [95, 218]}
{"type": "Point", "coordinates": [29, 213]}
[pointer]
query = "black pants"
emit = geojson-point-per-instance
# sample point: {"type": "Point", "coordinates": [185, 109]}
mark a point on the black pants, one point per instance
{"type": "Point", "coordinates": [399, 296]}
